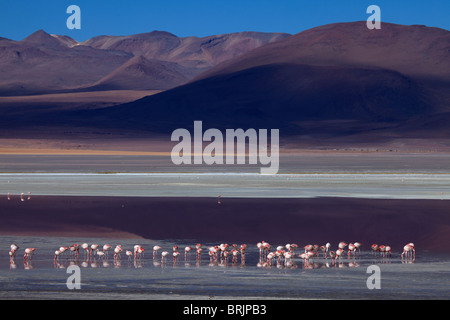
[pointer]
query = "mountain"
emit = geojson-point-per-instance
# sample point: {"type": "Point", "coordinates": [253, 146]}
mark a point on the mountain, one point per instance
{"type": "Point", "coordinates": [44, 63]}
{"type": "Point", "coordinates": [190, 52]}
{"type": "Point", "coordinates": [338, 79]}
{"type": "Point", "coordinates": [140, 73]}
{"type": "Point", "coordinates": [416, 50]}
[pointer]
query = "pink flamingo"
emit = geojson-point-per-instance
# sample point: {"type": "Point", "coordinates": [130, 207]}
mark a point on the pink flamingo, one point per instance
{"type": "Point", "coordinates": [382, 249]}
{"type": "Point", "coordinates": [234, 254]}
{"type": "Point", "coordinates": [388, 250]}
{"type": "Point", "coordinates": [198, 250]}
{"type": "Point", "coordinates": [409, 250]}
{"type": "Point", "coordinates": [374, 248]}
{"type": "Point", "coordinates": [351, 249]}
{"type": "Point", "coordinates": [117, 251]}
{"type": "Point", "coordinates": [85, 246]}
{"type": "Point", "coordinates": [129, 254]}
{"type": "Point", "coordinates": [175, 255]}
{"type": "Point", "coordinates": [94, 247]}
{"type": "Point", "coordinates": [333, 256]}
{"type": "Point", "coordinates": [12, 253]}
{"type": "Point", "coordinates": [164, 254]}
{"type": "Point", "coordinates": [155, 251]}
{"type": "Point", "coordinates": [186, 251]}
{"type": "Point", "coordinates": [106, 248]}
{"type": "Point", "coordinates": [75, 249]}
{"type": "Point", "coordinates": [342, 245]}
{"type": "Point", "coordinates": [29, 254]}
{"type": "Point", "coordinates": [57, 254]}
{"type": "Point", "coordinates": [138, 251]}
{"type": "Point", "coordinates": [339, 253]}
{"type": "Point", "coordinates": [270, 257]}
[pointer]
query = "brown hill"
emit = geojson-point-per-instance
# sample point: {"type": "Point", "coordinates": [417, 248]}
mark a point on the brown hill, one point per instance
{"type": "Point", "coordinates": [415, 50]}
{"type": "Point", "coordinates": [374, 82]}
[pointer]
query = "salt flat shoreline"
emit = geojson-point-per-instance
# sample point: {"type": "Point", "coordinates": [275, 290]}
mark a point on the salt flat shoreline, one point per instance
{"type": "Point", "coordinates": [393, 222]}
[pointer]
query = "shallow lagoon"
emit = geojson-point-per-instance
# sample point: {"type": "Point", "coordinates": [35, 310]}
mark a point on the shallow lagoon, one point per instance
{"type": "Point", "coordinates": [428, 277]}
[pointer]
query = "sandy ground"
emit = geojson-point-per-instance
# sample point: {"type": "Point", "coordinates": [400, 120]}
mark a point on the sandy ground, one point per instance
{"type": "Point", "coordinates": [81, 99]}
{"type": "Point", "coordinates": [303, 221]}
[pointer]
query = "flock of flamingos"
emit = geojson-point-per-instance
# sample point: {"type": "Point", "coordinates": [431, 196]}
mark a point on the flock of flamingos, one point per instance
{"type": "Point", "coordinates": [222, 252]}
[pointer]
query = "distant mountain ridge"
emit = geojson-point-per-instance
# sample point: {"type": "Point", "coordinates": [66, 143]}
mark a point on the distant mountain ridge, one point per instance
{"type": "Point", "coordinates": [44, 63]}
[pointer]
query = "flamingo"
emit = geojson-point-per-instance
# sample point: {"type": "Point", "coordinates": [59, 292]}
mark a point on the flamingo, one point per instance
{"type": "Point", "coordinates": [213, 253]}
{"type": "Point", "coordinates": [29, 254]}
{"type": "Point", "coordinates": [316, 248]}
{"type": "Point", "coordinates": [339, 253]}
{"type": "Point", "coordinates": [287, 257]}
{"type": "Point", "coordinates": [101, 254]}
{"type": "Point", "coordinates": [388, 250]}
{"type": "Point", "coordinates": [75, 249]}
{"type": "Point", "coordinates": [138, 251]}
{"type": "Point", "coordinates": [351, 249]}
{"type": "Point", "coordinates": [266, 246]}
{"type": "Point", "coordinates": [106, 248]}
{"type": "Point", "coordinates": [21, 197]}
{"type": "Point", "coordinates": [342, 245]}
{"type": "Point", "coordinates": [186, 251]}
{"type": "Point", "coordinates": [9, 196]}
{"type": "Point", "coordinates": [57, 254]}
{"type": "Point", "coordinates": [308, 247]}
{"type": "Point", "coordinates": [155, 251]}
{"type": "Point", "coordinates": [333, 256]}
{"type": "Point", "coordinates": [306, 256]}
{"type": "Point", "coordinates": [374, 248]}
{"type": "Point", "coordinates": [225, 256]}
{"type": "Point", "coordinates": [175, 255]}
{"type": "Point", "coordinates": [293, 247]}
{"type": "Point", "coordinates": [270, 256]}
{"type": "Point", "coordinates": [259, 245]}
{"type": "Point", "coordinates": [235, 254]}
{"type": "Point", "coordinates": [382, 249]}
{"type": "Point", "coordinates": [63, 249]}
{"type": "Point", "coordinates": [164, 254]}
{"type": "Point", "coordinates": [94, 247]}
{"type": "Point", "coordinates": [409, 250]}
{"type": "Point", "coordinates": [129, 254]}
{"type": "Point", "coordinates": [117, 250]}
{"type": "Point", "coordinates": [198, 253]}
{"type": "Point", "coordinates": [279, 253]}
{"type": "Point", "coordinates": [85, 246]}
{"type": "Point", "coordinates": [325, 249]}
{"type": "Point", "coordinates": [358, 246]}
{"type": "Point", "coordinates": [14, 248]}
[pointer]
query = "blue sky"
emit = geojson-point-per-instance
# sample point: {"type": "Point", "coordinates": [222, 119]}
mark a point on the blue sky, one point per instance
{"type": "Point", "coordinates": [20, 18]}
